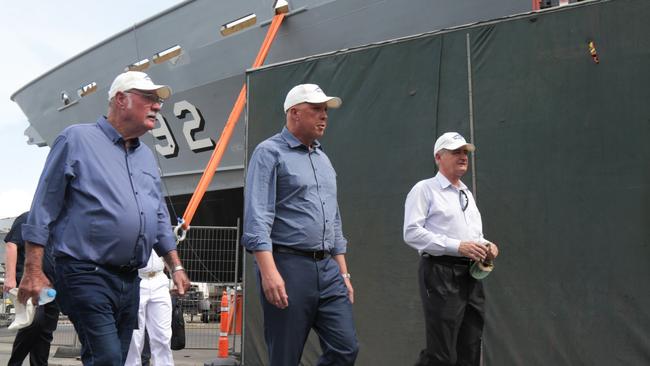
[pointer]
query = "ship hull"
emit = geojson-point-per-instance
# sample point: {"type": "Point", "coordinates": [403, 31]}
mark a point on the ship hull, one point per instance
{"type": "Point", "coordinates": [208, 74]}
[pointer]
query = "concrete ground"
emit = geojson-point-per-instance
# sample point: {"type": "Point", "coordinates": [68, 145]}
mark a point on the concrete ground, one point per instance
{"type": "Point", "coordinates": [64, 355]}
{"type": "Point", "coordinates": [186, 357]}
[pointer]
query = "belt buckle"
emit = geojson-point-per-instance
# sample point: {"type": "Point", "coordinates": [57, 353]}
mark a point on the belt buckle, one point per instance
{"type": "Point", "coordinates": [319, 255]}
{"type": "Point", "coordinates": [125, 268]}
{"type": "Point", "coordinates": [151, 274]}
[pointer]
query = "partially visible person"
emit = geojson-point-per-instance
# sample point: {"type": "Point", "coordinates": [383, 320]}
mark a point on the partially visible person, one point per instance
{"type": "Point", "coordinates": [145, 355]}
{"type": "Point", "coordinates": [36, 338]}
{"type": "Point", "coordinates": [154, 314]}
{"type": "Point", "coordinates": [293, 226]}
{"type": "Point", "coordinates": [442, 222]}
{"type": "Point", "coordinates": [100, 206]}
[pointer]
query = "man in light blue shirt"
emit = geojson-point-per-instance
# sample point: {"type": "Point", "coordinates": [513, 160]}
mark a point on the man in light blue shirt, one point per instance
{"type": "Point", "coordinates": [100, 206]}
{"type": "Point", "coordinates": [293, 226]}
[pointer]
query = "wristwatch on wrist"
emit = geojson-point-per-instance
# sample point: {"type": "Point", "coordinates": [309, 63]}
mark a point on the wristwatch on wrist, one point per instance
{"type": "Point", "coordinates": [346, 275]}
{"type": "Point", "coordinates": [178, 268]}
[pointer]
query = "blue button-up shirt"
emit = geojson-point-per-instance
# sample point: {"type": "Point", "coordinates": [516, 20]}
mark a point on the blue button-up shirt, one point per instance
{"type": "Point", "coordinates": [98, 202]}
{"type": "Point", "coordinates": [290, 198]}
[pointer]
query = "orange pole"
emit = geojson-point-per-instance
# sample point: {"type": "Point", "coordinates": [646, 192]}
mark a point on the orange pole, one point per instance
{"type": "Point", "coordinates": [229, 128]}
{"type": "Point", "coordinates": [535, 4]}
{"type": "Point", "coordinates": [223, 327]}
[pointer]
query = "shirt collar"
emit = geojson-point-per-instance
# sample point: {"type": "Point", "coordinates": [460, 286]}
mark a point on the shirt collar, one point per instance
{"type": "Point", "coordinates": [293, 142]}
{"type": "Point", "coordinates": [112, 133]}
{"type": "Point", "coordinates": [444, 182]}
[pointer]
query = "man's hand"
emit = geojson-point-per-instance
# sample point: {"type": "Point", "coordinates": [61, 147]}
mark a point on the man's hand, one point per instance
{"type": "Point", "coordinates": [180, 279]}
{"type": "Point", "coordinates": [10, 282]}
{"type": "Point", "coordinates": [31, 285]}
{"type": "Point", "coordinates": [274, 290]}
{"type": "Point", "coordinates": [493, 251]}
{"type": "Point", "coordinates": [181, 282]}
{"type": "Point", "coordinates": [34, 279]}
{"type": "Point", "coordinates": [472, 250]}
{"type": "Point", "coordinates": [272, 281]}
{"type": "Point", "coordinates": [343, 267]}
{"type": "Point", "coordinates": [348, 284]}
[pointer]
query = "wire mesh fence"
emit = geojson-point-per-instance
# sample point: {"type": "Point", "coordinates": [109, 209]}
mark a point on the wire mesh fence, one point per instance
{"type": "Point", "coordinates": [212, 259]}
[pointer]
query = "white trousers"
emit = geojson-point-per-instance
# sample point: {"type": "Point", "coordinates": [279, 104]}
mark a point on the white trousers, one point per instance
{"type": "Point", "coordinates": [156, 314]}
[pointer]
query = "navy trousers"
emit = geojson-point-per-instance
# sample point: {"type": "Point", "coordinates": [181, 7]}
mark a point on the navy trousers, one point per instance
{"type": "Point", "coordinates": [103, 307]}
{"type": "Point", "coordinates": [453, 303]}
{"type": "Point", "coordinates": [35, 339]}
{"type": "Point", "coordinates": [318, 300]}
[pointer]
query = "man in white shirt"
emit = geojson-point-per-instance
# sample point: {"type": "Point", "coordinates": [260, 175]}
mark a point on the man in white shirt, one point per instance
{"type": "Point", "coordinates": [155, 314]}
{"type": "Point", "coordinates": [442, 222]}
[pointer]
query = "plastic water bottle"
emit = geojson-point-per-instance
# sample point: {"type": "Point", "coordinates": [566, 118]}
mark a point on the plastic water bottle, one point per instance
{"type": "Point", "coordinates": [47, 295]}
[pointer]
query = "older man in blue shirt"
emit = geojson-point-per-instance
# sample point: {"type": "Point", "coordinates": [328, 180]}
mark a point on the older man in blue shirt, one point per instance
{"type": "Point", "coordinates": [292, 225]}
{"type": "Point", "coordinates": [99, 204]}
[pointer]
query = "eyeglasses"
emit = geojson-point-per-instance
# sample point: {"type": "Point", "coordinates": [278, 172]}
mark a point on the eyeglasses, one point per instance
{"type": "Point", "coordinates": [464, 200]}
{"type": "Point", "coordinates": [151, 98]}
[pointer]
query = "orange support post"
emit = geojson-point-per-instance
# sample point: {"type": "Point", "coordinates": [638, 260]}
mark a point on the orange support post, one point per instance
{"type": "Point", "coordinates": [219, 150]}
{"type": "Point", "coordinates": [535, 4]}
{"type": "Point", "coordinates": [223, 327]}
{"type": "Point", "coordinates": [235, 314]}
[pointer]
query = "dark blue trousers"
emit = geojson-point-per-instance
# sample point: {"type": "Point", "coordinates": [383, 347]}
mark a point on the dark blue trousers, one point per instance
{"type": "Point", "coordinates": [103, 306]}
{"type": "Point", "coordinates": [318, 300]}
{"type": "Point", "coordinates": [35, 339]}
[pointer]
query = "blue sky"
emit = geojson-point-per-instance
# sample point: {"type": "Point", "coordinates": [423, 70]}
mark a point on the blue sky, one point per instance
{"type": "Point", "coordinates": [37, 36]}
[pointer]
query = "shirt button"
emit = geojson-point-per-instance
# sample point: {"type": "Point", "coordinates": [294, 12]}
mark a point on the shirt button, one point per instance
{"type": "Point", "coordinates": [136, 193]}
{"type": "Point", "coordinates": [141, 213]}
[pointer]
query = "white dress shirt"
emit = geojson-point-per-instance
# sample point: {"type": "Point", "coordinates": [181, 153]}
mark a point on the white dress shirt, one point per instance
{"type": "Point", "coordinates": [434, 221]}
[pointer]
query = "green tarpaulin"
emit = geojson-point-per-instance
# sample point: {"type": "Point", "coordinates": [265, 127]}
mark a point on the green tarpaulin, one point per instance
{"type": "Point", "coordinates": [562, 179]}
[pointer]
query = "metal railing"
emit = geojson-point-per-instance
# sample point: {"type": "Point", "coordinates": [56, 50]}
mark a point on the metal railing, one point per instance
{"type": "Point", "coordinates": [211, 256]}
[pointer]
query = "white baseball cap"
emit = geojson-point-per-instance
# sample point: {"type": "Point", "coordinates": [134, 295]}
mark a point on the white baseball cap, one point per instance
{"type": "Point", "coordinates": [451, 141]}
{"type": "Point", "coordinates": [137, 80]}
{"type": "Point", "coordinates": [309, 93]}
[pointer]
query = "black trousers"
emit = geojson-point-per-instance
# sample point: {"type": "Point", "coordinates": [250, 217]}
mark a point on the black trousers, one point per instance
{"type": "Point", "coordinates": [35, 339]}
{"type": "Point", "coordinates": [453, 303]}
{"type": "Point", "coordinates": [145, 356]}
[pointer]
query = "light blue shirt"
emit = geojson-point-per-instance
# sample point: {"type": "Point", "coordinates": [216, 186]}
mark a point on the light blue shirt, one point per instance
{"type": "Point", "coordinates": [98, 202]}
{"type": "Point", "coordinates": [290, 198]}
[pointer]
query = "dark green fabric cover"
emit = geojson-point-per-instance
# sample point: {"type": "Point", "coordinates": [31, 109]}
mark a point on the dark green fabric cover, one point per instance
{"type": "Point", "coordinates": [562, 179]}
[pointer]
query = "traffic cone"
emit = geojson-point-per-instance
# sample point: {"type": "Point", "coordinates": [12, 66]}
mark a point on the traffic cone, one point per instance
{"type": "Point", "coordinates": [223, 327]}
{"type": "Point", "coordinates": [235, 313]}
{"type": "Point", "coordinates": [222, 355]}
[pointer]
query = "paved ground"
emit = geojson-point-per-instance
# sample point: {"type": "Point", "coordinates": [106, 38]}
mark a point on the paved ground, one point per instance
{"type": "Point", "coordinates": [186, 357]}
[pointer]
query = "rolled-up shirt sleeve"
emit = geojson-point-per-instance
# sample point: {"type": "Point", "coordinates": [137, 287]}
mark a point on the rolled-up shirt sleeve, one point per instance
{"type": "Point", "coordinates": [418, 236]}
{"type": "Point", "coordinates": [50, 193]}
{"type": "Point", "coordinates": [259, 200]}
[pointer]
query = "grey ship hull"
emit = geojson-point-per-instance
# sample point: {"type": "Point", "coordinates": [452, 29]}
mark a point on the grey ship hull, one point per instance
{"type": "Point", "coordinates": [209, 71]}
